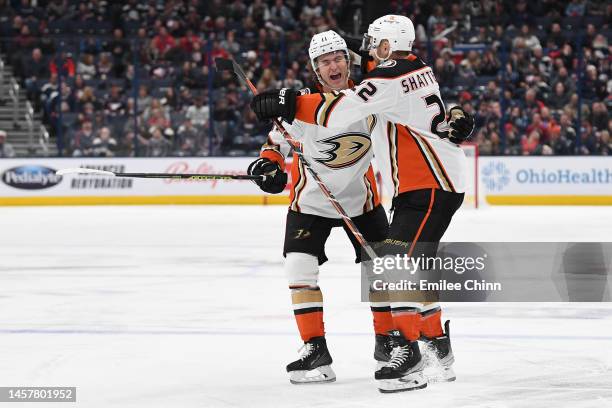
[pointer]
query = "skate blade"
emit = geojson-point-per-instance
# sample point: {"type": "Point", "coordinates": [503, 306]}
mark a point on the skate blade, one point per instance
{"type": "Point", "coordinates": [410, 382]}
{"type": "Point", "coordinates": [319, 375]}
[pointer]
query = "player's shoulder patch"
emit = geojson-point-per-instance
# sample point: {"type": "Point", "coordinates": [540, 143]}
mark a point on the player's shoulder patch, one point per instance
{"type": "Point", "coordinates": [388, 64]}
{"type": "Point", "coordinates": [308, 90]}
{"type": "Point", "coordinates": [394, 68]}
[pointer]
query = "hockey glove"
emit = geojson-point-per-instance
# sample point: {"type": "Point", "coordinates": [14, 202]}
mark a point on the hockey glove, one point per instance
{"type": "Point", "coordinates": [274, 104]}
{"type": "Point", "coordinates": [461, 124]}
{"type": "Point", "coordinates": [275, 180]}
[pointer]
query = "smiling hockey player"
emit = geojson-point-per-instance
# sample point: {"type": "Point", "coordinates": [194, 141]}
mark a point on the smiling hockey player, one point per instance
{"type": "Point", "coordinates": [342, 158]}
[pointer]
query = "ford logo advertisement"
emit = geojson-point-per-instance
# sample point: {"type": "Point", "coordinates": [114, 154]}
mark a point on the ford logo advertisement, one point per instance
{"type": "Point", "coordinates": [31, 177]}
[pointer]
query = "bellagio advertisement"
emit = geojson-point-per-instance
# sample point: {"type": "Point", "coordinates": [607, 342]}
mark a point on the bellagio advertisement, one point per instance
{"type": "Point", "coordinates": [34, 181]}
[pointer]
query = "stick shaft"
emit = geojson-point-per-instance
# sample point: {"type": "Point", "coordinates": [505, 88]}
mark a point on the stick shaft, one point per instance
{"type": "Point", "coordinates": [190, 176]}
{"type": "Point", "coordinates": [298, 150]}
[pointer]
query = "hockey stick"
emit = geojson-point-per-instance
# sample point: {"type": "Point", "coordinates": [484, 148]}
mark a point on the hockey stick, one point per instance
{"type": "Point", "coordinates": [193, 176]}
{"type": "Point", "coordinates": [227, 64]}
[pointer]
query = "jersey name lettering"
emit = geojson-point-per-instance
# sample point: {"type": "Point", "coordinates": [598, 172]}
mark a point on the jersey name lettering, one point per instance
{"type": "Point", "coordinates": [419, 80]}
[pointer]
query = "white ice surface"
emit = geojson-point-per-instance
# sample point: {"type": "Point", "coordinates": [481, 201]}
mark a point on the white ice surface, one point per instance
{"type": "Point", "coordinates": [164, 306]}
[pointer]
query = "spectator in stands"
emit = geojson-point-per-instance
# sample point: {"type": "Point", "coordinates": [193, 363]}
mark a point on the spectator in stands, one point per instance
{"type": "Point", "coordinates": [559, 98]}
{"type": "Point", "coordinates": [526, 39]}
{"type": "Point", "coordinates": [144, 99]}
{"type": "Point", "coordinates": [82, 142]}
{"type": "Point", "coordinates": [187, 76]}
{"type": "Point", "coordinates": [280, 15]}
{"type": "Point", "coordinates": [291, 81]}
{"type": "Point", "coordinates": [259, 12]}
{"type": "Point", "coordinates": [198, 113]}
{"type": "Point", "coordinates": [170, 100]}
{"type": "Point", "coordinates": [104, 145]}
{"type": "Point", "coordinates": [556, 35]}
{"type": "Point", "coordinates": [6, 149]}
{"type": "Point", "coordinates": [604, 144]}
{"type": "Point", "coordinates": [34, 69]}
{"type": "Point", "coordinates": [531, 104]}
{"type": "Point", "coordinates": [588, 141]}
{"type": "Point", "coordinates": [599, 116]}
{"type": "Point", "coordinates": [230, 44]}
{"type": "Point", "coordinates": [538, 125]}
{"type": "Point", "coordinates": [191, 45]}
{"type": "Point", "coordinates": [162, 43]}
{"type": "Point", "coordinates": [490, 63]}
{"type": "Point", "coordinates": [157, 145]}
{"type": "Point", "coordinates": [531, 143]}
{"type": "Point", "coordinates": [120, 50]}
{"type": "Point", "coordinates": [66, 63]}
{"type": "Point", "coordinates": [445, 70]}
{"type": "Point", "coordinates": [513, 146]}
{"type": "Point", "coordinates": [105, 66]}
{"type": "Point", "coordinates": [84, 97]}
{"type": "Point", "coordinates": [188, 139]}
{"type": "Point", "coordinates": [115, 102]}
{"type": "Point", "coordinates": [86, 67]}
{"type": "Point", "coordinates": [225, 119]}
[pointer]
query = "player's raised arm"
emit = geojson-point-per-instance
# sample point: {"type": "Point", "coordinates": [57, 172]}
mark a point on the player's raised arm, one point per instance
{"type": "Point", "coordinates": [333, 109]}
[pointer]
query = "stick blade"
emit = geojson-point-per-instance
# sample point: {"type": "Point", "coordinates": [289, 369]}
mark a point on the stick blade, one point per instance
{"type": "Point", "coordinates": [224, 64]}
{"type": "Point", "coordinates": [82, 170]}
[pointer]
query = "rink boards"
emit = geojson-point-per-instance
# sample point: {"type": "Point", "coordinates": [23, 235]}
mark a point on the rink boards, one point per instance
{"type": "Point", "coordinates": [501, 181]}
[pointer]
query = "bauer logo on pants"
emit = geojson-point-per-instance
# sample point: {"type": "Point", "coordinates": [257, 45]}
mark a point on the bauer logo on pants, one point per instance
{"type": "Point", "coordinates": [31, 177]}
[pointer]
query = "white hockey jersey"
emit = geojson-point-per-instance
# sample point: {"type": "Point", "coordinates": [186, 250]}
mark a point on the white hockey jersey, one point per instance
{"type": "Point", "coordinates": [409, 137]}
{"type": "Point", "coordinates": [342, 159]}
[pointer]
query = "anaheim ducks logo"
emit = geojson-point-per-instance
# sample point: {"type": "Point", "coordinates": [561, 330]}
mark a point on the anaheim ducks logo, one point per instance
{"type": "Point", "coordinates": [346, 150]}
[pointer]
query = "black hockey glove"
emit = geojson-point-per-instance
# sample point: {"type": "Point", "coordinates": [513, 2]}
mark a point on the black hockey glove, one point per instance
{"type": "Point", "coordinates": [357, 46]}
{"type": "Point", "coordinates": [276, 179]}
{"type": "Point", "coordinates": [274, 104]}
{"type": "Point", "coordinates": [461, 124]}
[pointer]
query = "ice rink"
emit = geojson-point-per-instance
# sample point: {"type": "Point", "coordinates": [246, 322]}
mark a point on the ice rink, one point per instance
{"type": "Point", "coordinates": [187, 306]}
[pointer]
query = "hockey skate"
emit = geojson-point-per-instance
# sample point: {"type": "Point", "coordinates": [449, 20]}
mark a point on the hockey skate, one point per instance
{"type": "Point", "coordinates": [314, 365]}
{"type": "Point", "coordinates": [404, 371]}
{"type": "Point", "coordinates": [382, 350]}
{"type": "Point", "coordinates": [439, 357]}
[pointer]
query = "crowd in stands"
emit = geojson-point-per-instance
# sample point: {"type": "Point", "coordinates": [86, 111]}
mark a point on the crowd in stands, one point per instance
{"type": "Point", "coordinates": [135, 77]}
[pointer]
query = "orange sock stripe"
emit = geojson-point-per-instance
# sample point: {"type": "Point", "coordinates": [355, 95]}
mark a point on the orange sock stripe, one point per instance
{"type": "Point", "coordinates": [431, 325]}
{"type": "Point", "coordinates": [310, 325]}
{"type": "Point", "coordinates": [383, 322]}
{"type": "Point", "coordinates": [408, 323]}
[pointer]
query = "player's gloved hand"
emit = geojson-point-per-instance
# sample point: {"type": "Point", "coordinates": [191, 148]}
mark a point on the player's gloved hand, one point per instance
{"type": "Point", "coordinates": [276, 179]}
{"type": "Point", "coordinates": [274, 104]}
{"type": "Point", "coordinates": [359, 48]}
{"type": "Point", "coordinates": [461, 125]}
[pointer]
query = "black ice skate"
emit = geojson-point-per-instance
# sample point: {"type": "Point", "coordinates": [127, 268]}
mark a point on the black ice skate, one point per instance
{"type": "Point", "coordinates": [439, 357]}
{"type": "Point", "coordinates": [314, 365]}
{"type": "Point", "coordinates": [404, 371]}
{"type": "Point", "coordinates": [382, 350]}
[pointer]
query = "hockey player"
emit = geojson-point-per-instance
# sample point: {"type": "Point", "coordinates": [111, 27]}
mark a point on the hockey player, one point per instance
{"type": "Point", "coordinates": [342, 159]}
{"type": "Point", "coordinates": [419, 156]}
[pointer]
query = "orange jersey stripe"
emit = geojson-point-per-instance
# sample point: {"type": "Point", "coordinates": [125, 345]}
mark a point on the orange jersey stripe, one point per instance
{"type": "Point", "coordinates": [307, 106]}
{"type": "Point", "coordinates": [273, 155]}
{"type": "Point", "coordinates": [372, 180]}
{"type": "Point", "coordinates": [414, 171]}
